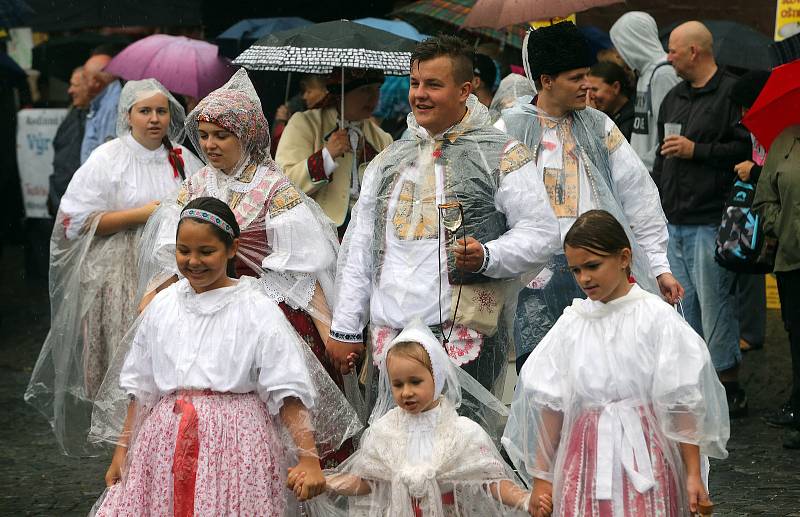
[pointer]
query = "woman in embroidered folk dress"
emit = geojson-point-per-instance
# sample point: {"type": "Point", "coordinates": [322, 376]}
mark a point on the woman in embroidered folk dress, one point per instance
{"type": "Point", "coordinates": [286, 239]}
{"type": "Point", "coordinates": [421, 458]}
{"type": "Point", "coordinates": [618, 407]}
{"type": "Point", "coordinates": [208, 396]}
{"type": "Point", "coordinates": [93, 273]}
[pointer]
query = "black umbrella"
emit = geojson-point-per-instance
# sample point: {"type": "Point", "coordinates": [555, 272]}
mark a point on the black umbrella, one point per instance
{"type": "Point", "coordinates": [786, 50]}
{"type": "Point", "coordinates": [320, 48]}
{"type": "Point", "coordinates": [57, 57]}
{"type": "Point", "coordinates": [735, 44]}
{"type": "Point", "coordinates": [14, 13]}
{"type": "Point", "coordinates": [64, 15]}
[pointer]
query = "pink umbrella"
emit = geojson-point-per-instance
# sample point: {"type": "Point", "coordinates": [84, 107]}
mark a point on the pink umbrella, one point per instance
{"type": "Point", "coordinates": [183, 65]}
{"type": "Point", "coordinates": [502, 13]}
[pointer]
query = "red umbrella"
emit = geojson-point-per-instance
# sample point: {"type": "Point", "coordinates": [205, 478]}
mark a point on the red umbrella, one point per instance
{"type": "Point", "coordinates": [183, 65]}
{"type": "Point", "coordinates": [778, 105]}
{"type": "Point", "coordinates": [502, 13]}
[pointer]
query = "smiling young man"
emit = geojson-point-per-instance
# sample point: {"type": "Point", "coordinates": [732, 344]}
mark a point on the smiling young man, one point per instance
{"type": "Point", "coordinates": [585, 163]}
{"type": "Point", "coordinates": [397, 261]}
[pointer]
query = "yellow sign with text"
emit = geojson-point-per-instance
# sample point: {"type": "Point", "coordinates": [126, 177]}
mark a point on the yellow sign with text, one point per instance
{"type": "Point", "coordinates": [787, 19]}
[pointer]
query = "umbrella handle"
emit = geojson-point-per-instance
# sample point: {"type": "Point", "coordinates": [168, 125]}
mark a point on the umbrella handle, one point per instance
{"type": "Point", "coordinates": [341, 116]}
{"type": "Point", "coordinates": [288, 83]}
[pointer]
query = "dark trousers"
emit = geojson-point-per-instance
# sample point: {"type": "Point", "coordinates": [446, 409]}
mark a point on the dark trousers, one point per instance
{"type": "Point", "coordinates": [789, 293]}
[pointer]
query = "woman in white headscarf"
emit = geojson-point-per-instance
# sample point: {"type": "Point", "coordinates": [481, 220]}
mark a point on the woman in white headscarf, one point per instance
{"type": "Point", "coordinates": [93, 273]}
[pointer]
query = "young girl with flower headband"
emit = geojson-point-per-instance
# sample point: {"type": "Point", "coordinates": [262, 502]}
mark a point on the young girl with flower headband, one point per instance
{"type": "Point", "coordinates": [421, 458]}
{"type": "Point", "coordinates": [213, 372]}
{"type": "Point", "coordinates": [617, 408]}
{"type": "Point", "coordinates": [286, 239]}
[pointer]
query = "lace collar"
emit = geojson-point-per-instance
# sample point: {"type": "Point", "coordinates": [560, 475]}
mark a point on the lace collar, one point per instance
{"type": "Point", "coordinates": [219, 184]}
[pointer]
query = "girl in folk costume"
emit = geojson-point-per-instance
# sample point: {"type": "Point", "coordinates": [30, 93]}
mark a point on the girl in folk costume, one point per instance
{"type": "Point", "coordinates": [286, 238]}
{"type": "Point", "coordinates": [93, 274]}
{"type": "Point", "coordinates": [421, 458]}
{"type": "Point", "coordinates": [619, 405]}
{"type": "Point", "coordinates": [217, 391]}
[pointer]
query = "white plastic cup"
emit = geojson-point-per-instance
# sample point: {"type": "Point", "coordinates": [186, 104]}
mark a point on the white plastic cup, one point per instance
{"type": "Point", "coordinates": [672, 129]}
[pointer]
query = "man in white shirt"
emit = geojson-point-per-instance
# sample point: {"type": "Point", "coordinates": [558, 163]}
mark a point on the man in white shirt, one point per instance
{"type": "Point", "coordinates": [398, 261]}
{"type": "Point", "coordinates": [586, 164]}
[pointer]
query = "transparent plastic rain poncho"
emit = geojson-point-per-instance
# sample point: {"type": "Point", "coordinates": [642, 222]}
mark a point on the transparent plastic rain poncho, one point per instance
{"type": "Point", "coordinates": [212, 376]}
{"type": "Point", "coordinates": [615, 180]}
{"type": "Point", "coordinates": [397, 261]}
{"type": "Point", "coordinates": [512, 87]}
{"type": "Point", "coordinates": [434, 462]}
{"type": "Point", "coordinates": [603, 401]}
{"type": "Point", "coordinates": [286, 238]}
{"type": "Point", "coordinates": [93, 278]}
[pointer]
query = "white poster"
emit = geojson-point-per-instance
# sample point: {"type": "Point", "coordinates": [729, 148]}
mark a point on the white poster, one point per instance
{"type": "Point", "coordinates": [36, 129]}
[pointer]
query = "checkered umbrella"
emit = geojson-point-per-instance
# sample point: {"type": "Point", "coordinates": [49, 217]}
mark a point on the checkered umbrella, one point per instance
{"type": "Point", "coordinates": [434, 16]}
{"type": "Point", "coordinates": [320, 48]}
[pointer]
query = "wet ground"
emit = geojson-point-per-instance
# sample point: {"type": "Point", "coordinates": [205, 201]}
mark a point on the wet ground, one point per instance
{"type": "Point", "coordinates": [759, 478]}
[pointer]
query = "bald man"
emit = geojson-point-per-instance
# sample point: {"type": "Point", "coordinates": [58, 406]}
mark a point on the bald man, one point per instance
{"type": "Point", "coordinates": [104, 88]}
{"type": "Point", "coordinates": [701, 141]}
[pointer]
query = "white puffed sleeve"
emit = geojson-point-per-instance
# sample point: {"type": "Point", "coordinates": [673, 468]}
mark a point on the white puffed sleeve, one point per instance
{"type": "Point", "coordinates": [282, 371]}
{"type": "Point", "coordinates": [533, 235]}
{"type": "Point", "coordinates": [533, 430]}
{"type": "Point", "coordinates": [688, 398]}
{"type": "Point", "coordinates": [136, 377]}
{"type": "Point", "coordinates": [88, 192]}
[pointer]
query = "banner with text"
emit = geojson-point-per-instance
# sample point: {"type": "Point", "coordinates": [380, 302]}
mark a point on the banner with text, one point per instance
{"type": "Point", "coordinates": [36, 129]}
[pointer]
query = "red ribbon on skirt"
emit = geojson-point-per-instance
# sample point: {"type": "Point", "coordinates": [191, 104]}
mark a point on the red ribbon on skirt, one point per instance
{"type": "Point", "coordinates": [447, 498]}
{"type": "Point", "coordinates": [184, 461]}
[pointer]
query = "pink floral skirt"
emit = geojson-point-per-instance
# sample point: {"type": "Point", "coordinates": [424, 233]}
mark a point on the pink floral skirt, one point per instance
{"type": "Point", "coordinates": [577, 494]}
{"type": "Point", "coordinates": [239, 467]}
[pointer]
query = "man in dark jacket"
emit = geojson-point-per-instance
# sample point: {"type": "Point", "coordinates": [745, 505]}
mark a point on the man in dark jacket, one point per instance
{"type": "Point", "coordinates": [701, 144]}
{"type": "Point", "coordinates": [67, 142]}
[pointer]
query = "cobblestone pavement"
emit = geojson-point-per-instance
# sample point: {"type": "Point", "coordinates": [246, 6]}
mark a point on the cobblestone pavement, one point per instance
{"type": "Point", "coordinates": [759, 477]}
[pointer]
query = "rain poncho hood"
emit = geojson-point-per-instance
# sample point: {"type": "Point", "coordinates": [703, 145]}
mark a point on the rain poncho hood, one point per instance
{"type": "Point", "coordinates": [635, 36]}
{"type": "Point", "coordinates": [135, 91]}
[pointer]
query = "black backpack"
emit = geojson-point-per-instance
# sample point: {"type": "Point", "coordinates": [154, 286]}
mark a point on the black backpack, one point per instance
{"type": "Point", "coordinates": [741, 244]}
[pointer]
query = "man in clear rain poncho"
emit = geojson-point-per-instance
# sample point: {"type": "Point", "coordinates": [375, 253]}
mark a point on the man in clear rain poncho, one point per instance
{"type": "Point", "coordinates": [400, 261]}
{"type": "Point", "coordinates": [585, 163]}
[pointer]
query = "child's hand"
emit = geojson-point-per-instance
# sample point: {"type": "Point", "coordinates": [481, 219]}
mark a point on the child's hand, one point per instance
{"type": "Point", "coordinates": [541, 504]}
{"type": "Point", "coordinates": [351, 361]}
{"type": "Point", "coordinates": [545, 505]}
{"type": "Point", "coordinates": [696, 491]}
{"type": "Point", "coordinates": [114, 472]}
{"type": "Point", "coordinates": [306, 479]}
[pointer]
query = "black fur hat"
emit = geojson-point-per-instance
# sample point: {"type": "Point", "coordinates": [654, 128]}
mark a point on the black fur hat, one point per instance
{"type": "Point", "coordinates": [557, 48]}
